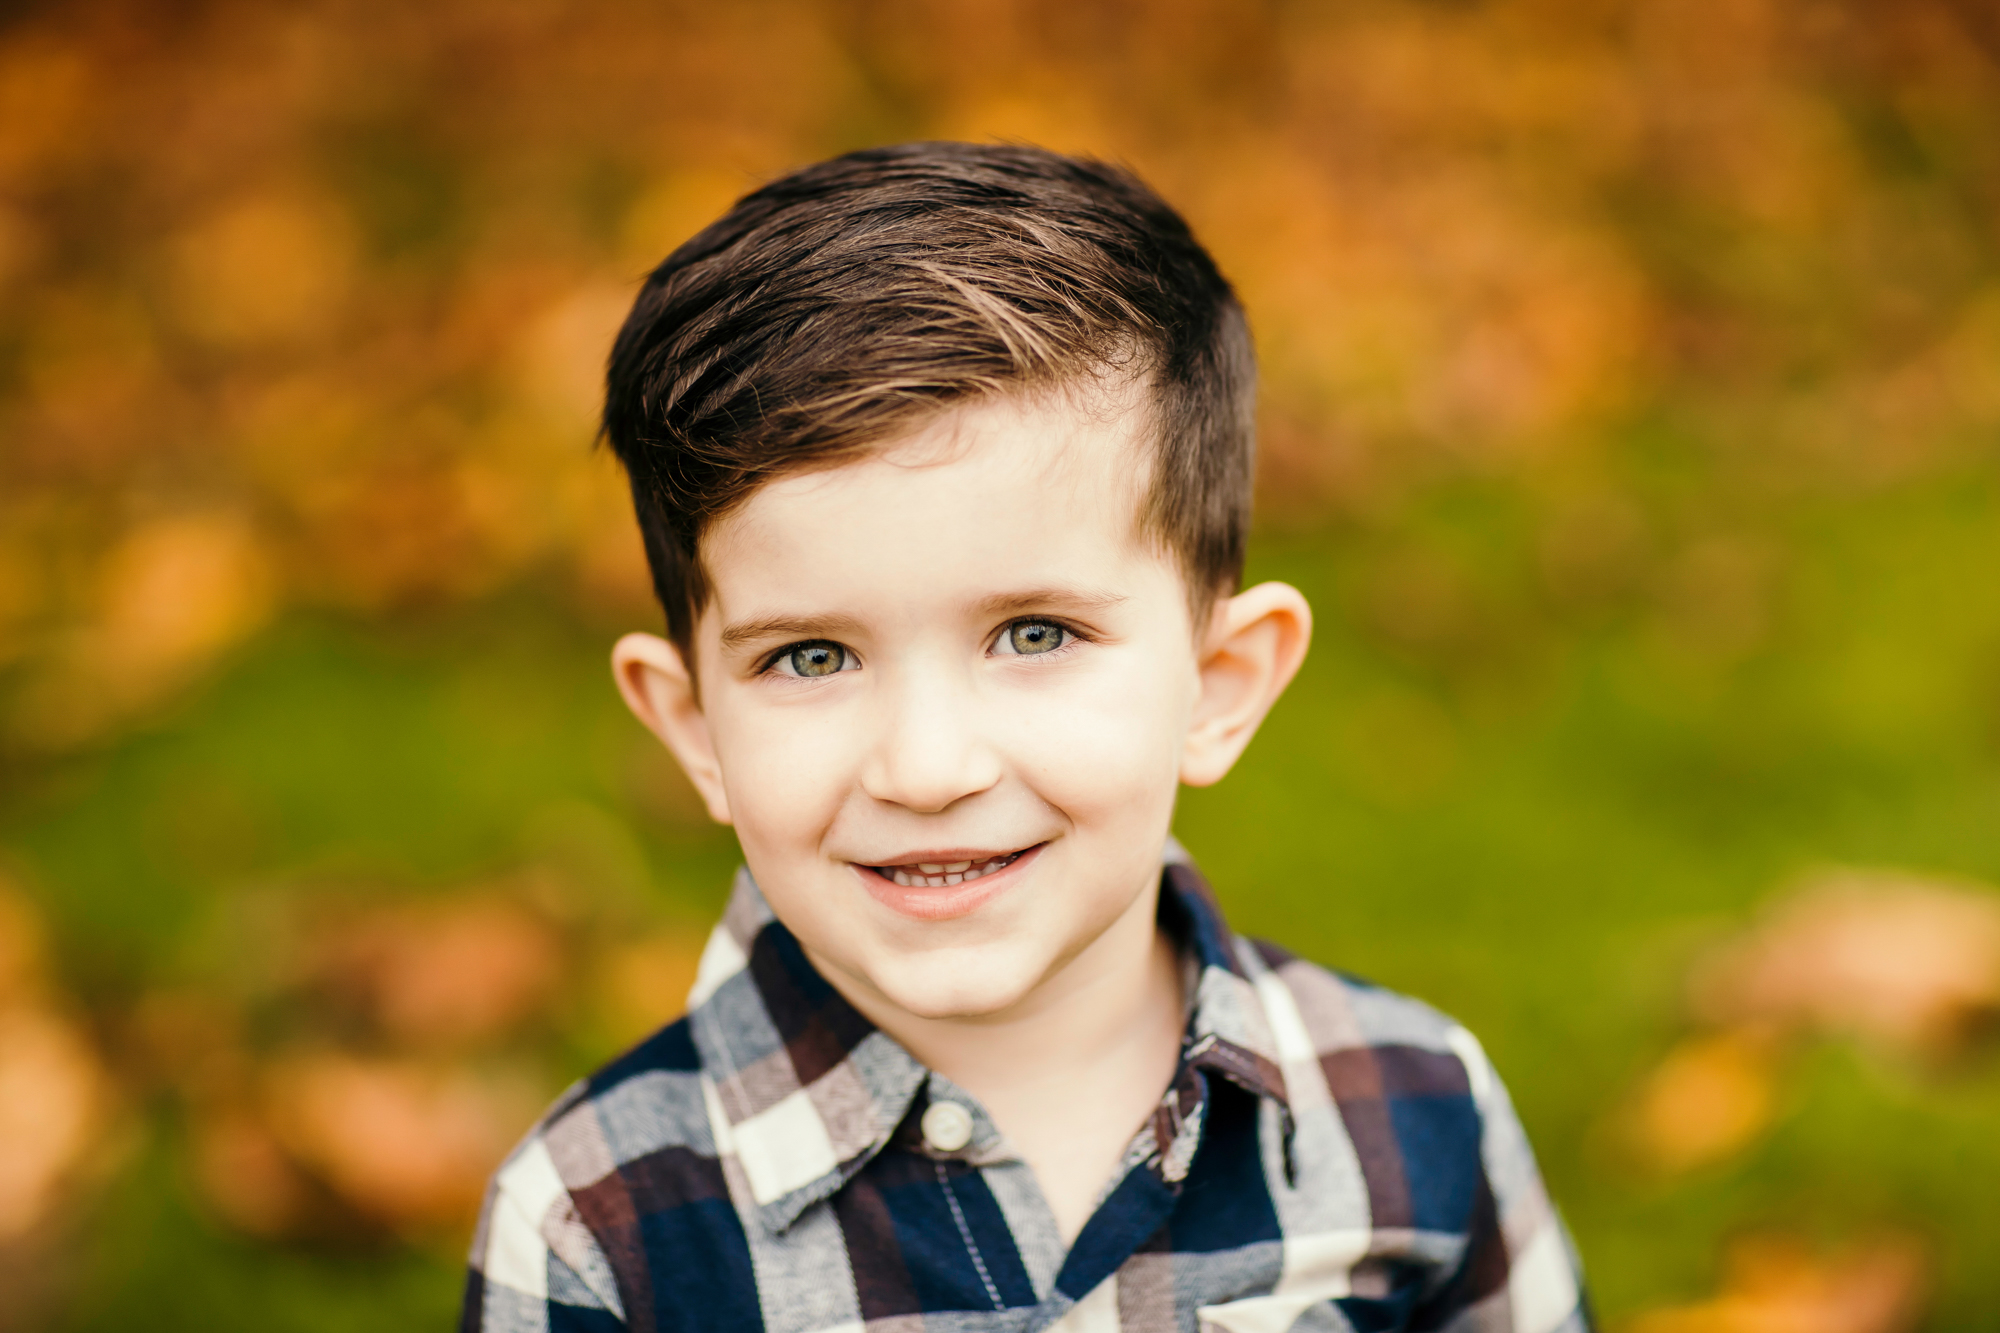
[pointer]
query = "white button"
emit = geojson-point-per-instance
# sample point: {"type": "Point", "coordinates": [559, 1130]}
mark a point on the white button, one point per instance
{"type": "Point", "coordinates": [947, 1126]}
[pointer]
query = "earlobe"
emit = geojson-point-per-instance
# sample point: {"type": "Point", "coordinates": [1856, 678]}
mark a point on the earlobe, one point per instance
{"type": "Point", "coordinates": [657, 687]}
{"type": "Point", "coordinates": [1255, 643]}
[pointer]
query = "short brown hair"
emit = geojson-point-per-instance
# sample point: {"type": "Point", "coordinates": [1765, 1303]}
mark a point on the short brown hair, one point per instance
{"type": "Point", "coordinates": [840, 305]}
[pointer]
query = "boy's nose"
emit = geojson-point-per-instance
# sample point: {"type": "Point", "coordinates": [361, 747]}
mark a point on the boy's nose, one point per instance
{"type": "Point", "coordinates": [928, 753]}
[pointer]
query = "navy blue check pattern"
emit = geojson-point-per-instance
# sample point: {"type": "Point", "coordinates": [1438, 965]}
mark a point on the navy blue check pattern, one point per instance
{"type": "Point", "coordinates": [1329, 1156]}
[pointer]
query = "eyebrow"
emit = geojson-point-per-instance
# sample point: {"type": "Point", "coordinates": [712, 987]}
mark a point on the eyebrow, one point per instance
{"type": "Point", "coordinates": [1048, 599]}
{"type": "Point", "coordinates": [786, 627]}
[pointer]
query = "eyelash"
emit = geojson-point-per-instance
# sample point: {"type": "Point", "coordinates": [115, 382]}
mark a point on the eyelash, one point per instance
{"type": "Point", "coordinates": [770, 667]}
{"type": "Point", "coordinates": [1072, 633]}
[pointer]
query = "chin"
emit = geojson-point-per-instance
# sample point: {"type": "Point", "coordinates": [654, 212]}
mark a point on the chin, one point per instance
{"type": "Point", "coordinates": [956, 988]}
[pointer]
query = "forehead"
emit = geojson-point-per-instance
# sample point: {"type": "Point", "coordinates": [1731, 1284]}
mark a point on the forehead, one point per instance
{"type": "Point", "coordinates": [1045, 487]}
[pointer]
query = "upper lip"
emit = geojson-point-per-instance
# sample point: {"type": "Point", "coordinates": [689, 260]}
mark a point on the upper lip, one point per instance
{"type": "Point", "coordinates": [947, 855]}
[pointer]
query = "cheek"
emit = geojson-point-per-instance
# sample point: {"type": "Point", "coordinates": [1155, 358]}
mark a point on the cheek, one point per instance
{"type": "Point", "coordinates": [1106, 745]}
{"type": "Point", "coordinates": [784, 773]}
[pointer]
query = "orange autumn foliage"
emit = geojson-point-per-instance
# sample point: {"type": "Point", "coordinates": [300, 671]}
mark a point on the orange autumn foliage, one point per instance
{"type": "Point", "coordinates": [55, 1093]}
{"type": "Point", "coordinates": [351, 284]}
{"type": "Point", "coordinates": [1899, 960]}
{"type": "Point", "coordinates": [1703, 1102]}
{"type": "Point", "coordinates": [406, 1143]}
{"type": "Point", "coordinates": [441, 974]}
{"type": "Point", "coordinates": [1779, 1284]}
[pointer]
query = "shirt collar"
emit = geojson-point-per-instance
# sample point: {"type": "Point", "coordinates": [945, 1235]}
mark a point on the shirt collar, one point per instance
{"type": "Point", "coordinates": [803, 1090]}
{"type": "Point", "coordinates": [1229, 1029]}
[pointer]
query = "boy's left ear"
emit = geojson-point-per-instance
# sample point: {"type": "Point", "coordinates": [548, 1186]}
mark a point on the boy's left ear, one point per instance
{"type": "Point", "coordinates": [1254, 645]}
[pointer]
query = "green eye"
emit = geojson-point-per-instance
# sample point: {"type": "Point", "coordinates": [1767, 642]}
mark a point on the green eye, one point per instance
{"type": "Point", "coordinates": [1036, 636]}
{"type": "Point", "coordinates": [818, 659]}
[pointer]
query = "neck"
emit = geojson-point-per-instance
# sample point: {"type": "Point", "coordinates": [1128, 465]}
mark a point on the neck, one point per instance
{"type": "Point", "coordinates": [1070, 1071]}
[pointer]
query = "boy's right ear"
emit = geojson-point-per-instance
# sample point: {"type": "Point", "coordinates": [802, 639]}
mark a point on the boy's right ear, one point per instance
{"type": "Point", "coordinates": [661, 694]}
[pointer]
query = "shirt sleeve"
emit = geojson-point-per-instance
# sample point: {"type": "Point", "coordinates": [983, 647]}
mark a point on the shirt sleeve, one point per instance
{"type": "Point", "coordinates": [535, 1268]}
{"type": "Point", "coordinates": [1520, 1273]}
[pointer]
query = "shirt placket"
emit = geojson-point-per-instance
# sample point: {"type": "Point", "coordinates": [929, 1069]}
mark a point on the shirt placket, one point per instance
{"type": "Point", "coordinates": [1136, 1209]}
{"type": "Point", "coordinates": [950, 1128]}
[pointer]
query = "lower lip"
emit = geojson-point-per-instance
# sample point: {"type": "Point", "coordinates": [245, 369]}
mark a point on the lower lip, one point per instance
{"type": "Point", "coordinates": [923, 903]}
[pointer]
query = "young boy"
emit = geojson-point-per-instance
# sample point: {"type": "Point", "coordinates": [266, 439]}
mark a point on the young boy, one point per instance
{"type": "Point", "coordinates": [942, 458]}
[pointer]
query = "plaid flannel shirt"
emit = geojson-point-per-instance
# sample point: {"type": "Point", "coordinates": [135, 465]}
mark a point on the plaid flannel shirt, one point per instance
{"type": "Point", "coordinates": [1329, 1156]}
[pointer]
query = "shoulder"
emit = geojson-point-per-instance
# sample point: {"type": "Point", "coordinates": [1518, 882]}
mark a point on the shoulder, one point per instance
{"type": "Point", "coordinates": [636, 1129]}
{"type": "Point", "coordinates": [1431, 1124]}
{"type": "Point", "coordinates": [1356, 1029]}
{"type": "Point", "coordinates": [625, 1147]}
{"type": "Point", "coordinates": [617, 1122]}
{"type": "Point", "coordinates": [624, 1165]}
{"type": "Point", "coordinates": [1389, 1097]}
{"type": "Point", "coordinates": [1433, 1134]}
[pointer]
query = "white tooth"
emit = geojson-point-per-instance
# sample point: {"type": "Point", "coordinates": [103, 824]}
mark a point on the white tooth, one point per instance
{"type": "Point", "coordinates": [950, 880]}
{"type": "Point", "coordinates": [975, 872]}
{"type": "Point", "coordinates": [935, 881]}
{"type": "Point", "coordinates": [903, 879]}
{"type": "Point", "coordinates": [957, 867]}
{"type": "Point", "coordinates": [928, 868]}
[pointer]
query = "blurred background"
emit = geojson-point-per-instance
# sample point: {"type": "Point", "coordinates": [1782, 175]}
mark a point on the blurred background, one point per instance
{"type": "Point", "coordinates": [1632, 416]}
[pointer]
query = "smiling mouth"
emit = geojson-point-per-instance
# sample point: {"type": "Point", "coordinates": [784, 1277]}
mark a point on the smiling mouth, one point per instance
{"type": "Point", "coordinates": [944, 874]}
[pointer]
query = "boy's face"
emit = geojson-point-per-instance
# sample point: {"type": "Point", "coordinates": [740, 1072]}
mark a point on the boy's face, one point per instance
{"type": "Point", "coordinates": [947, 695]}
